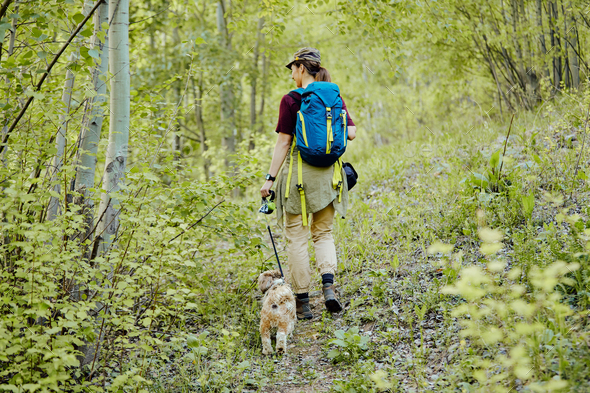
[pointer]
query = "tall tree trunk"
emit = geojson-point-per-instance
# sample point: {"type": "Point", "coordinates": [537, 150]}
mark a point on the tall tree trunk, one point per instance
{"type": "Point", "coordinates": [176, 145]}
{"type": "Point", "coordinates": [555, 44]}
{"type": "Point", "coordinates": [573, 41]}
{"type": "Point", "coordinates": [265, 89]}
{"type": "Point", "coordinates": [116, 155]}
{"type": "Point", "coordinates": [566, 62]}
{"type": "Point", "coordinates": [253, 83]}
{"type": "Point", "coordinates": [228, 124]}
{"type": "Point", "coordinates": [86, 169]}
{"type": "Point", "coordinates": [176, 142]}
{"type": "Point", "coordinates": [198, 94]}
{"type": "Point", "coordinates": [92, 126]}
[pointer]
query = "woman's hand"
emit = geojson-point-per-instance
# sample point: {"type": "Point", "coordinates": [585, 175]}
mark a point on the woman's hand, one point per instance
{"type": "Point", "coordinates": [265, 190]}
{"type": "Point", "coordinates": [351, 132]}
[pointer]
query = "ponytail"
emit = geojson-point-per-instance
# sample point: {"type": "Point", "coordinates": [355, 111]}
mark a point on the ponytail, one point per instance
{"type": "Point", "coordinates": [323, 75]}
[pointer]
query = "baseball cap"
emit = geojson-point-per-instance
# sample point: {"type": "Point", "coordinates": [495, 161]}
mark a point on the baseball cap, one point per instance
{"type": "Point", "coordinates": [306, 53]}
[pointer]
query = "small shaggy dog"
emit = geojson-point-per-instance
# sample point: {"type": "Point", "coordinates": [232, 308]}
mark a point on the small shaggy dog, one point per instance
{"type": "Point", "coordinates": [278, 310]}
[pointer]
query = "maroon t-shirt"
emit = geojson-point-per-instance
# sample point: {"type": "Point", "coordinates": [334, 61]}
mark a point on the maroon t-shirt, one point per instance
{"type": "Point", "coordinates": [288, 113]}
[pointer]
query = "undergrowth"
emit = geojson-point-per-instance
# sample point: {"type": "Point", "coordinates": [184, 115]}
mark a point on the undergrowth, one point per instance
{"type": "Point", "coordinates": [462, 269]}
{"type": "Point", "coordinates": [456, 276]}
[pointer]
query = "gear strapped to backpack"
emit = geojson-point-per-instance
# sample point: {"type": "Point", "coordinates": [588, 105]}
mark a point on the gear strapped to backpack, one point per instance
{"type": "Point", "coordinates": [321, 135]}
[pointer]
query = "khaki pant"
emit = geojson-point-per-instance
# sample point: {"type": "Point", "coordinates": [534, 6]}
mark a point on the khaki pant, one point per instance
{"type": "Point", "coordinates": [323, 242]}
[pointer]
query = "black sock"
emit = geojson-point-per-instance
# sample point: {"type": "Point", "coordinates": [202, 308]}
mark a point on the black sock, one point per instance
{"type": "Point", "coordinates": [327, 278]}
{"type": "Point", "coordinates": [301, 296]}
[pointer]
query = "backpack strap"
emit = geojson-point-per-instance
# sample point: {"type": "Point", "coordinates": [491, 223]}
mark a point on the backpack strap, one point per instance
{"type": "Point", "coordinates": [337, 181]}
{"type": "Point", "coordinates": [299, 90]}
{"type": "Point", "coordinates": [300, 188]}
{"type": "Point", "coordinates": [293, 143]}
{"type": "Point", "coordinates": [299, 181]}
{"type": "Point", "coordinates": [345, 127]}
{"type": "Point", "coordinates": [303, 127]}
{"type": "Point", "coordinates": [330, 134]}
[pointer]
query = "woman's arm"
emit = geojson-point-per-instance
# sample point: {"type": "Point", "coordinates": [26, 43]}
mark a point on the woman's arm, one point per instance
{"type": "Point", "coordinates": [351, 132]}
{"type": "Point", "coordinates": [281, 149]}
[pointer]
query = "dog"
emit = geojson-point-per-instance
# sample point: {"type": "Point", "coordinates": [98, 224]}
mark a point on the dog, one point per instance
{"type": "Point", "coordinates": [278, 310]}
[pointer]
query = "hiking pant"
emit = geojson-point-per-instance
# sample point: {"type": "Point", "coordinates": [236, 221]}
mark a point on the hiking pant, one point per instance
{"type": "Point", "coordinates": [297, 252]}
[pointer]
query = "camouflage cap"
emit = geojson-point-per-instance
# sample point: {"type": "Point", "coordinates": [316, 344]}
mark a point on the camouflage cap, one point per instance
{"type": "Point", "coordinates": [306, 53]}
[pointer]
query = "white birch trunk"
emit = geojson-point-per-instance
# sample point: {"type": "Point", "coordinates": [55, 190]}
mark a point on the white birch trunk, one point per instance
{"type": "Point", "coordinates": [90, 133]}
{"type": "Point", "coordinates": [116, 155]}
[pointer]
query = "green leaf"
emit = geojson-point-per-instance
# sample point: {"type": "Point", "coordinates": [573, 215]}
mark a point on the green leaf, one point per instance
{"type": "Point", "coordinates": [495, 160]}
{"type": "Point", "coordinates": [36, 32]}
{"type": "Point", "coordinates": [333, 353]}
{"type": "Point", "coordinates": [78, 18]}
{"type": "Point", "coordinates": [12, 388]}
{"type": "Point", "coordinates": [86, 33]}
{"type": "Point", "coordinates": [199, 41]}
{"type": "Point", "coordinates": [528, 204]}
{"type": "Point", "coordinates": [480, 180]}
{"type": "Point", "coordinates": [244, 365]}
{"type": "Point", "coordinates": [340, 343]}
{"type": "Point", "coordinates": [84, 52]}
{"type": "Point", "coordinates": [93, 53]}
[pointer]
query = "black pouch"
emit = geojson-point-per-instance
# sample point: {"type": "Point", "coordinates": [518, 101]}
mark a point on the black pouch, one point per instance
{"type": "Point", "coordinates": [351, 175]}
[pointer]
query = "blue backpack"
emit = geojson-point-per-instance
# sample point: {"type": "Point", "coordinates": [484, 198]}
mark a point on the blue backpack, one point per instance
{"type": "Point", "coordinates": [321, 131]}
{"type": "Point", "coordinates": [321, 135]}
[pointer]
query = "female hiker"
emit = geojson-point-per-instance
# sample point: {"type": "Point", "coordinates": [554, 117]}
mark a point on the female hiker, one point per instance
{"type": "Point", "coordinates": [321, 199]}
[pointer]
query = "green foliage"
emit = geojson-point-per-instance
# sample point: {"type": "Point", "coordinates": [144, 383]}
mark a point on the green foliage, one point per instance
{"type": "Point", "coordinates": [349, 345]}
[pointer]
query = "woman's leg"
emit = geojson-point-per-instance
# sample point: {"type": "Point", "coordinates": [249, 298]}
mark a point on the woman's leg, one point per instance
{"type": "Point", "coordinates": [323, 241]}
{"type": "Point", "coordinates": [298, 256]}
{"type": "Point", "coordinates": [325, 252]}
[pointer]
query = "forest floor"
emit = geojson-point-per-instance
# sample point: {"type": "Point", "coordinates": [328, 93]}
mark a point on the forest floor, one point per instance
{"type": "Point", "coordinates": [400, 329]}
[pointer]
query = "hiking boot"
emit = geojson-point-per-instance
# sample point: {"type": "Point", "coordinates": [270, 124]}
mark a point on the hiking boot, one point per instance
{"type": "Point", "coordinates": [303, 310]}
{"type": "Point", "coordinates": [332, 304]}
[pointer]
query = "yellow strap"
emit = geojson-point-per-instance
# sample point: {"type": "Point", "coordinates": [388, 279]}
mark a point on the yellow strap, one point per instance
{"type": "Point", "coordinates": [303, 128]}
{"type": "Point", "coordinates": [290, 167]}
{"type": "Point", "coordinates": [330, 134]}
{"type": "Point", "coordinates": [337, 181]}
{"type": "Point", "coordinates": [343, 114]}
{"type": "Point", "coordinates": [300, 188]}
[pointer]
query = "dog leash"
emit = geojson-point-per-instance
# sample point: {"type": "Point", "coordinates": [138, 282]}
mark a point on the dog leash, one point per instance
{"type": "Point", "coordinates": [266, 209]}
{"type": "Point", "coordinates": [274, 247]}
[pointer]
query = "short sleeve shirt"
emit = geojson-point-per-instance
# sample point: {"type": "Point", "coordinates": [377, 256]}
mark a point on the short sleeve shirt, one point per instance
{"type": "Point", "coordinates": [288, 113]}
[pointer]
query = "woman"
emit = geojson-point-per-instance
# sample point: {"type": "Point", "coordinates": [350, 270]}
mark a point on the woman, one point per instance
{"type": "Point", "coordinates": [321, 198]}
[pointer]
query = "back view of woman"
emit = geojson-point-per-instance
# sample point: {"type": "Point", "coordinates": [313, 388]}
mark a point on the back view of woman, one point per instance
{"type": "Point", "coordinates": [321, 199]}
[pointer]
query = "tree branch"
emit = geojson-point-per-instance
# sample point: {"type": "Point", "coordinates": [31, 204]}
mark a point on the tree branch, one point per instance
{"type": "Point", "coordinates": [49, 68]}
{"type": "Point", "coordinates": [198, 221]}
{"type": "Point", "coordinates": [4, 8]}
